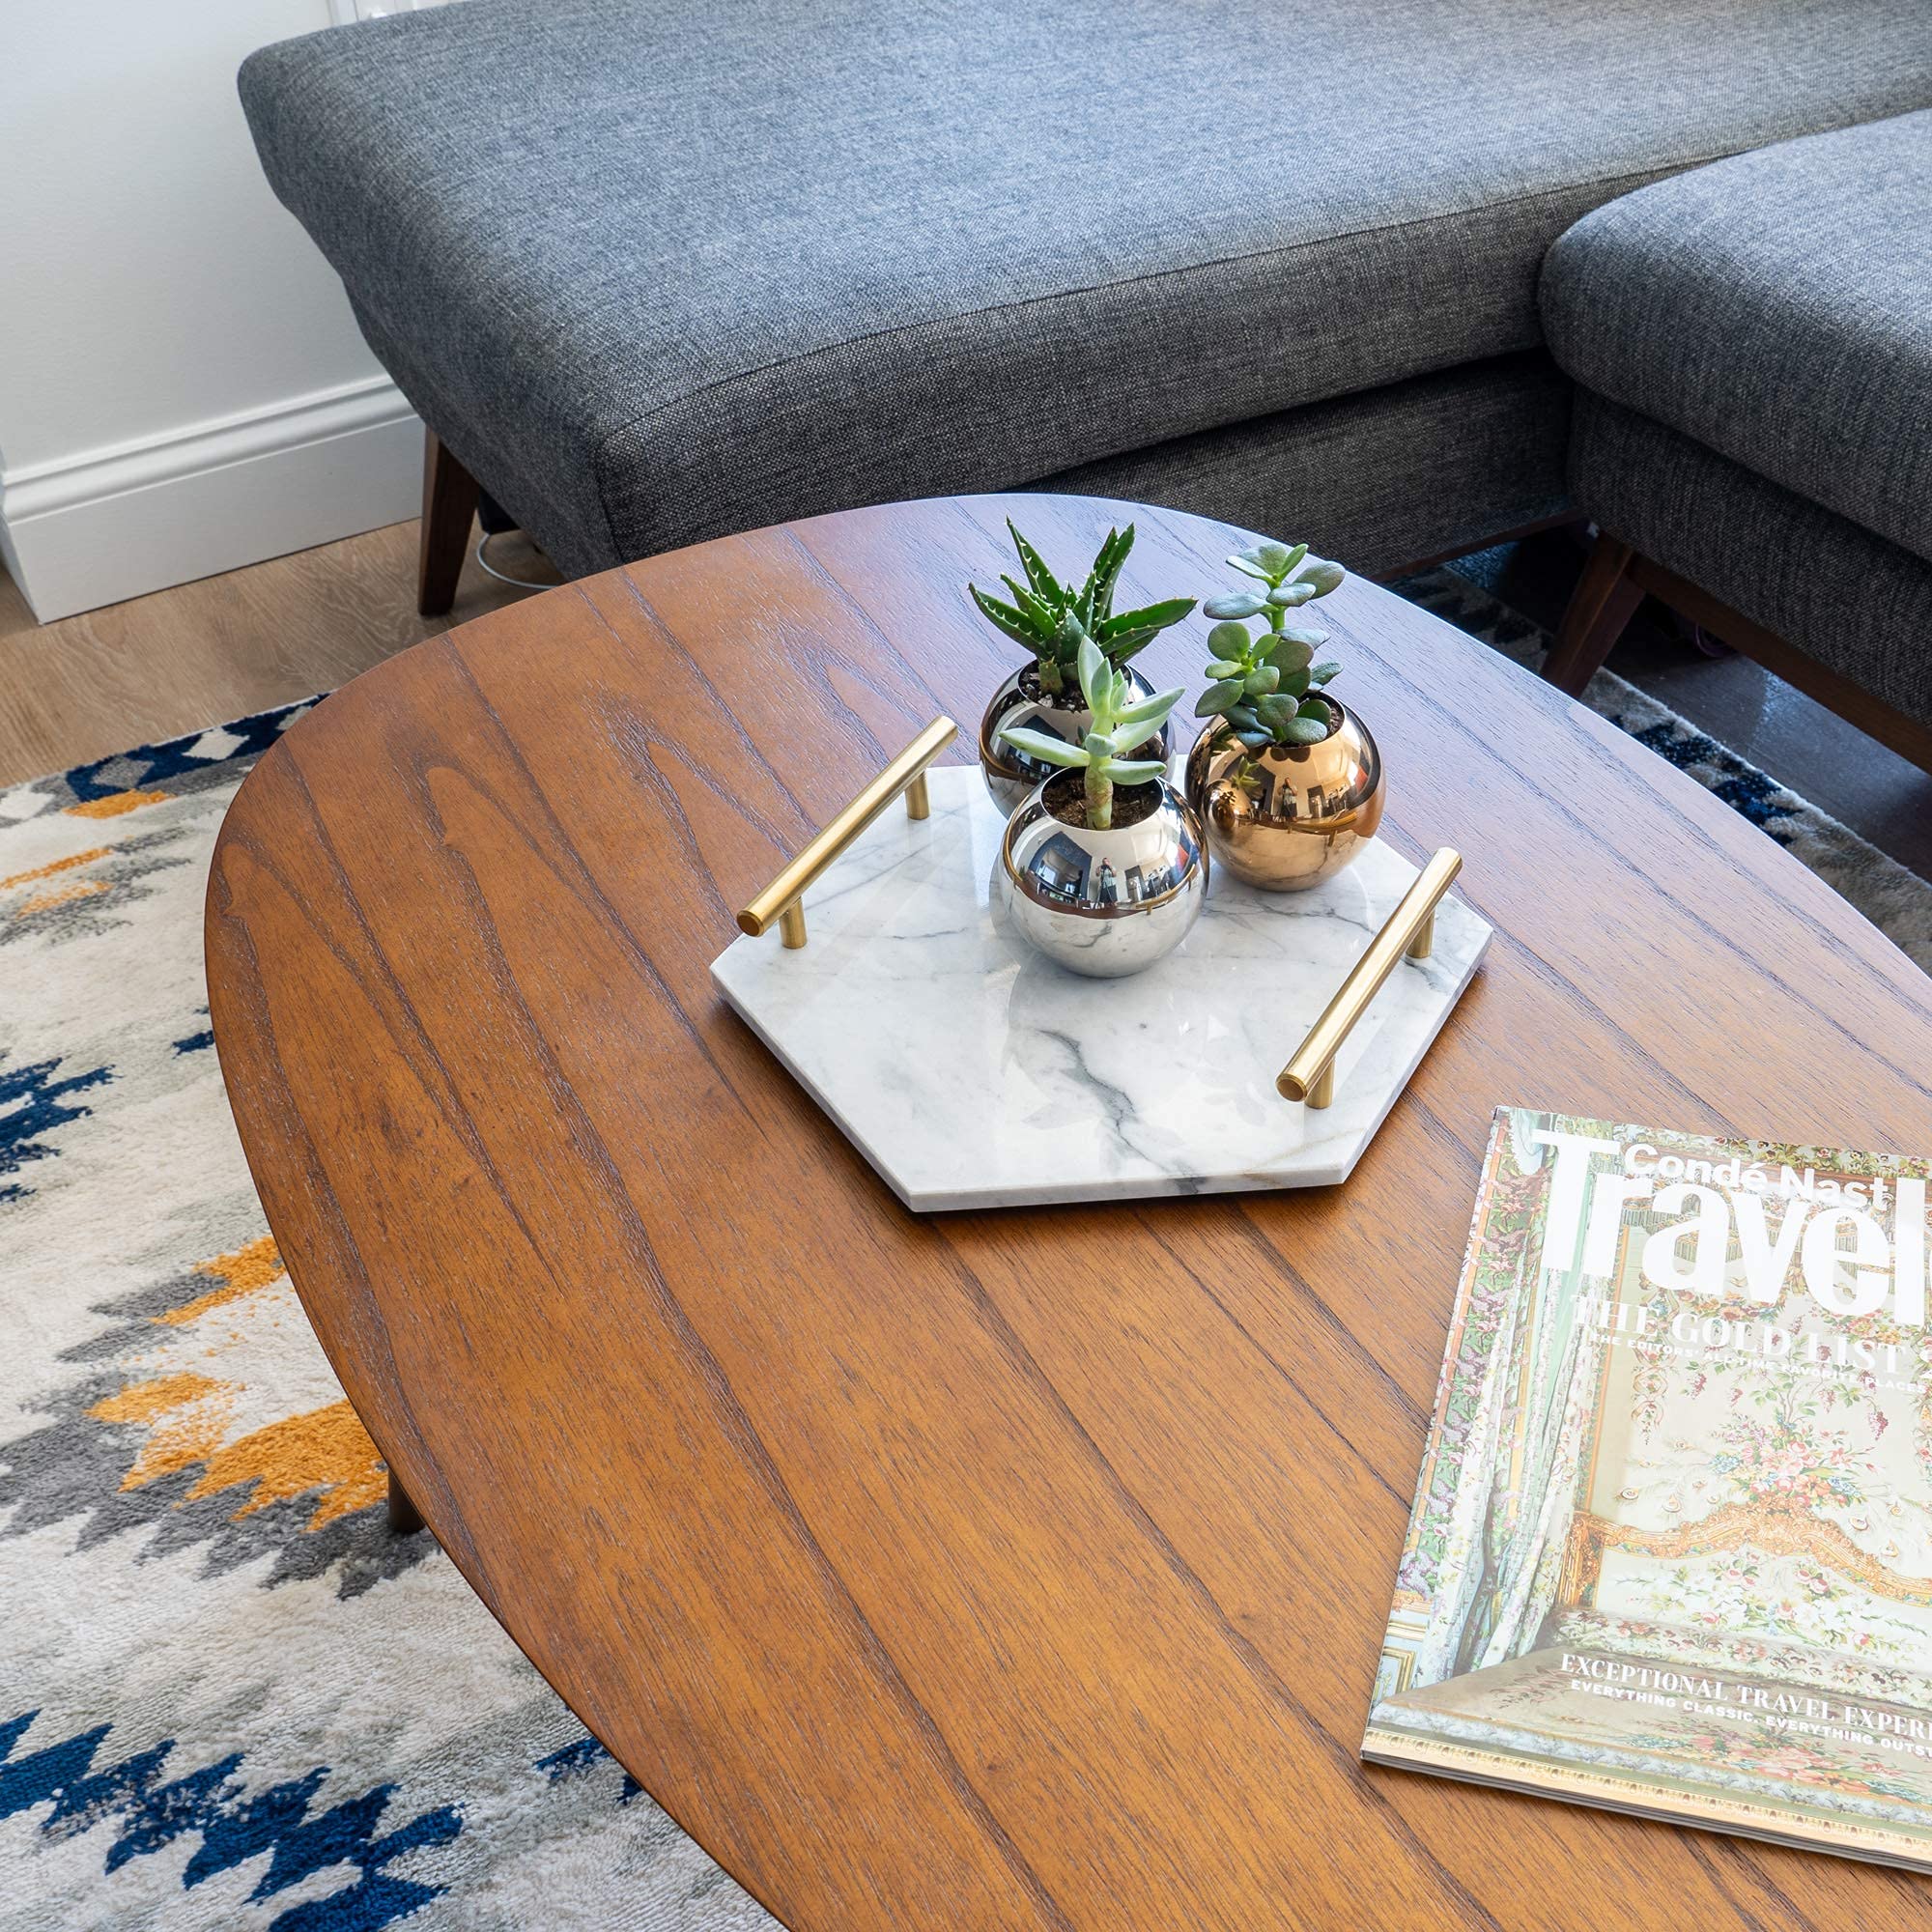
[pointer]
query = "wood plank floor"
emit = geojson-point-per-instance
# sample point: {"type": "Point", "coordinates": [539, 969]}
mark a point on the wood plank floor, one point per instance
{"type": "Point", "coordinates": [171, 662]}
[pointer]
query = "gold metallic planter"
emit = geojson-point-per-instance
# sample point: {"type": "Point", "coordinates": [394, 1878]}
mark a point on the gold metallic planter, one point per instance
{"type": "Point", "coordinates": [1107, 903]}
{"type": "Point", "coordinates": [1011, 775]}
{"type": "Point", "coordinates": [1286, 817]}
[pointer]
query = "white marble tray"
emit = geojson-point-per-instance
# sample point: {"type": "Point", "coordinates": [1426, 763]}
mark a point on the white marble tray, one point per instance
{"type": "Point", "coordinates": [973, 1073]}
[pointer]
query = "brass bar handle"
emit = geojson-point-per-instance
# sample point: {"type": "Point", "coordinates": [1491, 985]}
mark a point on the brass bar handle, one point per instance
{"type": "Point", "coordinates": [1310, 1075]}
{"type": "Point", "coordinates": [782, 900]}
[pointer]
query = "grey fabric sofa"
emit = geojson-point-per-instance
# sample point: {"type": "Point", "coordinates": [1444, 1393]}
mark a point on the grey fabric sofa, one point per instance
{"type": "Point", "coordinates": [1751, 344]}
{"type": "Point", "coordinates": [655, 270]}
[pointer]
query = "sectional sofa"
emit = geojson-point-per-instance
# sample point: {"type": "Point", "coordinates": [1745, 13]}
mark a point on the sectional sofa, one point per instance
{"type": "Point", "coordinates": [653, 270]}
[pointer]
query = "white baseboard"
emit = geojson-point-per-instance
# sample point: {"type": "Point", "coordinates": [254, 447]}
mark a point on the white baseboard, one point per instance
{"type": "Point", "coordinates": [112, 523]}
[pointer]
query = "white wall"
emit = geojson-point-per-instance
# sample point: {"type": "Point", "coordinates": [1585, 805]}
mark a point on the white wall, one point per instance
{"type": "Point", "coordinates": [181, 387]}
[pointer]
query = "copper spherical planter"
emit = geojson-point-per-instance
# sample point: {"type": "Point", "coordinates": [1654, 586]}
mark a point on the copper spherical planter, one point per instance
{"type": "Point", "coordinates": [1288, 816]}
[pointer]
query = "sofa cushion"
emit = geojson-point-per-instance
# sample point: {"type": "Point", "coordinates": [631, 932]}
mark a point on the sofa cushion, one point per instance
{"type": "Point", "coordinates": [1777, 308]}
{"type": "Point", "coordinates": [656, 268]}
{"type": "Point", "coordinates": [1858, 604]}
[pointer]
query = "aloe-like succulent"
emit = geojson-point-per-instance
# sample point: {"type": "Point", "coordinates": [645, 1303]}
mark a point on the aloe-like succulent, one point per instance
{"type": "Point", "coordinates": [1119, 727]}
{"type": "Point", "coordinates": [1266, 685]}
{"type": "Point", "coordinates": [1053, 619]}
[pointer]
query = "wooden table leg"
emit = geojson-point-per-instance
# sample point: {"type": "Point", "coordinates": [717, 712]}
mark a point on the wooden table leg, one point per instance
{"type": "Point", "coordinates": [404, 1519]}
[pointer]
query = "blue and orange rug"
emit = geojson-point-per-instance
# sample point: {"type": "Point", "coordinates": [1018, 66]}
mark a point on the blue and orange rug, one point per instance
{"type": "Point", "coordinates": [229, 1696]}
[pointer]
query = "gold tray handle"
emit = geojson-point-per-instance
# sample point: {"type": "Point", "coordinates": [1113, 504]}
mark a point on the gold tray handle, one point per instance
{"type": "Point", "coordinates": [1310, 1076]}
{"type": "Point", "coordinates": [782, 900]}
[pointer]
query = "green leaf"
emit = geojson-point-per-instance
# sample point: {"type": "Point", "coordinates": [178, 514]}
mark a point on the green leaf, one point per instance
{"type": "Point", "coordinates": [1226, 667]}
{"type": "Point", "coordinates": [1151, 617]}
{"type": "Point", "coordinates": [1120, 648]}
{"type": "Point", "coordinates": [1083, 605]}
{"type": "Point", "coordinates": [1323, 575]}
{"type": "Point", "coordinates": [1217, 698]}
{"type": "Point", "coordinates": [1039, 745]}
{"type": "Point", "coordinates": [1290, 654]}
{"type": "Point", "coordinates": [1149, 715]}
{"type": "Point", "coordinates": [1235, 604]}
{"type": "Point", "coordinates": [1247, 566]}
{"type": "Point", "coordinates": [1091, 667]}
{"type": "Point", "coordinates": [1274, 711]}
{"type": "Point", "coordinates": [1322, 673]}
{"type": "Point", "coordinates": [1030, 607]}
{"type": "Point", "coordinates": [1243, 717]}
{"type": "Point", "coordinates": [1228, 640]}
{"type": "Point", "coordinates": [1011, 621]}
{"type": "Point", "coordinates": [1276, 558]}
{"type": "Point", "coordinates": [1107, 569]}
{"type": "Point", "coordinates": [1294, 683]}
{"type": "Point", "coordinates": [1291, 596]}
{"type": "Point", "coordinates": [1318, 709]}
{"type": "Point", "coordinates": [1294, 556]}
{"type": "Point", "coordinates": [1258, 739]}
{"type": "Point", "coordinates": [1261, 680]}
{"type": "Point", "coordinates": [1042, 580]}
{"type": "Point", "coordinates": [1134, 771]}
{"type": "Point", "coordinates": [1304, 731]}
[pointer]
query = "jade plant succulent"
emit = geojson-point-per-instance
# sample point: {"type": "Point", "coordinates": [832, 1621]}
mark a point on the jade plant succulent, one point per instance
{"type": "Point", "coordinates": [1053, 619]}
{"type": "Point", "coordinates": [1119, 727]}
{"type": "Point", "coordinates": [1266, 685]}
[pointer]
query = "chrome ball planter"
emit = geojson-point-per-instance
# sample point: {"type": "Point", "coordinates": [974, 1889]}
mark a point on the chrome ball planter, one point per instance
{"type": "Point", "coordinates": [1012, 775]}
{"type": "Point", "coordinates": [1104, 903]}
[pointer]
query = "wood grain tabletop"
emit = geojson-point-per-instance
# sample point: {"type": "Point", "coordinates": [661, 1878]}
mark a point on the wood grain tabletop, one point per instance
{"type": "Point", "coordinates": [1015, 1569]}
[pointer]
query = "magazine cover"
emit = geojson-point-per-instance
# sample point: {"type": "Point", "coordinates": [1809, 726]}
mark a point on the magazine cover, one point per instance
{"type": "Point", "coordinates": [1672, 1541]}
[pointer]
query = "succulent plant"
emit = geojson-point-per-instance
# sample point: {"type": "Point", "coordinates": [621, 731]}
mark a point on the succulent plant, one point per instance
{"type": "Point", "coordinates": [1053, 620]}
{"type": "Point", "coordinates": [1266, 685]}
{"type": "Point", "coordinates": [1119, 727]}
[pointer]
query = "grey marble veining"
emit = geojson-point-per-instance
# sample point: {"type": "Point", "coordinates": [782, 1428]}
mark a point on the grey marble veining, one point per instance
{"type": "Point", "coordinates": [972, 1073]}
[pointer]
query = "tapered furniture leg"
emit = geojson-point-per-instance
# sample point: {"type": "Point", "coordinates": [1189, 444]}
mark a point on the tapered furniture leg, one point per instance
{"type": "Point", "coordinates": [404, 1519]}
{"type": "Point", "coordinates": [449, 506]}
{"type": "Point", "coordinates": [1604, 602]}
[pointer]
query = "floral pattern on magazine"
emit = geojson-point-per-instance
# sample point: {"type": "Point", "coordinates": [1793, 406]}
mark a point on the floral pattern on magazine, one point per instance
{"type": "Point", "coordinates": [1861, 1787]}
{"type": "Point", "coordinates": [1494, 1275]}
{"type": "Point", "coordinates": [1798, 1447]}
{"type": "Point", "coordinates": [1796, 1599]}
{"type": "Point", "coordinates": [1833, 1767]}
{"type": "Point", "coordinates": [1717, 1649]}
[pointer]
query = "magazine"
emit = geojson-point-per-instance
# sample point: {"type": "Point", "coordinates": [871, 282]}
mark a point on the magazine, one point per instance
{"type": "Point", "coordinates": [1672, 1543]}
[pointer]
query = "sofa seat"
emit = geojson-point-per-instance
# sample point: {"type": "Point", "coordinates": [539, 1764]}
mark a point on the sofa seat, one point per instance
{"type": "Point", "coordinates": [655, 269]}
{"type": "Point", "coordinates": [1751, 429]}
{"type": "Point", "coordinates": [1778, 310]}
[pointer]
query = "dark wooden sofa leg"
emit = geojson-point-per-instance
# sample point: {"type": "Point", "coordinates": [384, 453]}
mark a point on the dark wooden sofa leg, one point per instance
{"type": "Point", "coordinates": [449, 506]}
{"type": "Point", "coordinates": [404, 1519]}
{"type": "Point", "coordinates": [1604, 602]}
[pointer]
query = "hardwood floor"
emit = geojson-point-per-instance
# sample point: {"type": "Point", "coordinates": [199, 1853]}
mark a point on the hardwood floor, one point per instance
{"type": "Point", "coordinates": [154, 666]}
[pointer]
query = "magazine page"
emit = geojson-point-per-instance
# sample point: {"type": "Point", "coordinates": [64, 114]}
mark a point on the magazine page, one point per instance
{"type": "Point", "coordinates": [1672, 1541]}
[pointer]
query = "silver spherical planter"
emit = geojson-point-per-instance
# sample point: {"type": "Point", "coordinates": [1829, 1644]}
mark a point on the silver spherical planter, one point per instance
{"type": "Point", "coordinates": [1104, 903]}
{"type": "Point", "coordinates": [1011, 774]}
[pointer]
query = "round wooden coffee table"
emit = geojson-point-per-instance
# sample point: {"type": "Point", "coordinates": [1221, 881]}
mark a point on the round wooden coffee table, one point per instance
{"type": "Point", "coordinates": [1016, 1568]}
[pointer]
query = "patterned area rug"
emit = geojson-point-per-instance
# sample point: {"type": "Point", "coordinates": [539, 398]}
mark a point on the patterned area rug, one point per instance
{"type": "Point", "coordinates": [229, 1696]}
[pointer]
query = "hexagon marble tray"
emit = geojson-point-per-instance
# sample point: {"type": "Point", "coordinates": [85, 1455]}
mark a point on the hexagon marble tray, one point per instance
{"type": "Point", "coordinates": [972, 1073]}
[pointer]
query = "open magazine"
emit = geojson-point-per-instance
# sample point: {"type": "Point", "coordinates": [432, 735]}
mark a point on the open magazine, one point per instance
{"type": "Point", "coordinates": [1672, 1542]}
